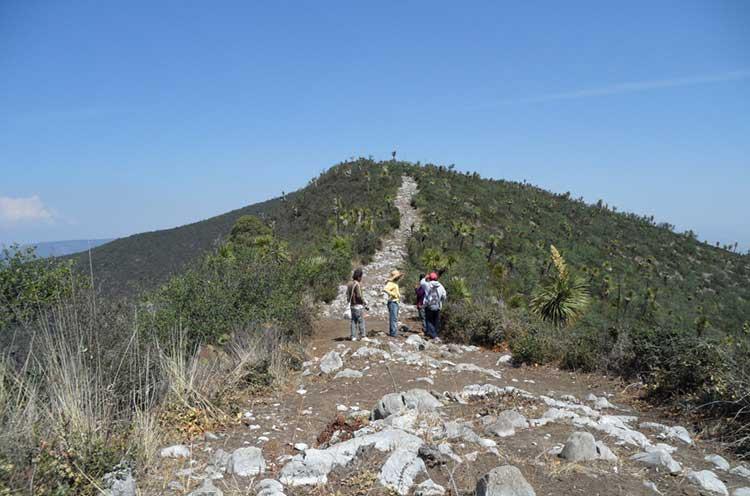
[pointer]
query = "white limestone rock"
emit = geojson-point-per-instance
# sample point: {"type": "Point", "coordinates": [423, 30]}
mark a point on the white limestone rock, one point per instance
{"type": "Point", "coordinates": [659, 459]}
{"type": "Point", "coordinates": [331, 362]}
{"type": "Point", "coordinates": [505, 423]}
{"type": "Point", "coordinates": [666, 432]}
{"type": "Point", "coordinates": [605, 453]}
{"type": "Point", "coordinates": [246, 462]}
{"type": "Point", "coordinates": [420, 399]}
{"type": "Point", "coordinates": [175, 451]}
{"type": "Point", "coordinates": [719, 462]}
{"type": "Point", "coordinates": [269, 487]}
{"type": "Point", "coordinates": [400, 470]}
{"type": "Point", "coordinates": [708, 481]}
{"type": "Point", "coordinates": [580, 446]}
{"type": "Point", "coordinates": [313, 466]}
{"type": "Point", "coordinates": [429, 488]}
{"type": "Point", "coordinates": [348, 374]}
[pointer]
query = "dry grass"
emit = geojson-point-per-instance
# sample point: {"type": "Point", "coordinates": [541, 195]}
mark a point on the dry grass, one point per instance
{"type": "Point", "coordinates": [94, 389]}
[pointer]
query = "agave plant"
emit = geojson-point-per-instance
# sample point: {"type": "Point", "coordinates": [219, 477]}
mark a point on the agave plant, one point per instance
{"type": "Point", "coordinates": [563, 299]}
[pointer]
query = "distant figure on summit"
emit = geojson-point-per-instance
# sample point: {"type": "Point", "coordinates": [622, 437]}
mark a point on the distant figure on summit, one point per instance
{"type": "Point", "coordinates": [357, 305]}
{"type": "Point", "coordinates": [434, 297]}
{"type": "Point", "coordinates": [394, 300]}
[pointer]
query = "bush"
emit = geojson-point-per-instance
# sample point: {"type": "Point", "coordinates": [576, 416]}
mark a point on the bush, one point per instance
{"type": "Point", "coordinates": [581, 351]}
{"type": "Point", "coordinates": [474, 322]}
{"type": "Point", "coordinates": [532, 345]}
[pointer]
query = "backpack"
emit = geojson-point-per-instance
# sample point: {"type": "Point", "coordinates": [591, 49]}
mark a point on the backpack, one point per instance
{"type": "Point", "coordinates": [432, 300]}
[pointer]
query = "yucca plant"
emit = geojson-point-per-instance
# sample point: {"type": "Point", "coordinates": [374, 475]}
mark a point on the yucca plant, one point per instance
{"type": "Point", "coordinates": [563, 299]}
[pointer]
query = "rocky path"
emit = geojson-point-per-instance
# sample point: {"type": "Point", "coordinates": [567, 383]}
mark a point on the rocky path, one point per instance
{"type": "Point", "coordinates": [403, 416]}
{"type": "Point", "coordinates": [389, 257]}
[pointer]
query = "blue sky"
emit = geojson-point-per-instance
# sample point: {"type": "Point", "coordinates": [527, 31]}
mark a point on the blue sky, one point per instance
{"type": "Point", "coordinates": [117, 119]}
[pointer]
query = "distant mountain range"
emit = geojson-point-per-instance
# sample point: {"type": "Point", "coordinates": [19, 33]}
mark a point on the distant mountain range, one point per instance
{"type": "Point", "coordinates": [61, 248]}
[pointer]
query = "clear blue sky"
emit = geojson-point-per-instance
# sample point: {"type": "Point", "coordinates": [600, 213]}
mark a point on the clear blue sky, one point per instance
{"type": "Point", "coordinates": [121, 117]}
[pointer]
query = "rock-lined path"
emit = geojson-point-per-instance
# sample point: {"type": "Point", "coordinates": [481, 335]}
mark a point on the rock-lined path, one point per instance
{"type": "Point", "coordinates": [391, 256]}
{"type": "Point", "coordinates": [403, 416]}
{"type": "Point", "coordinates": [387, 416]}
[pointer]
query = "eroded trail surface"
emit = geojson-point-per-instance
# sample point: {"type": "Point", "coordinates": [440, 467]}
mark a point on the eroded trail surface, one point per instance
{"type": "Point", "coordinates": [405, 416]}
{"type": "Point", "coordinates": [388, 258]}
{"type": "Point", "coordinates": [387, 416]}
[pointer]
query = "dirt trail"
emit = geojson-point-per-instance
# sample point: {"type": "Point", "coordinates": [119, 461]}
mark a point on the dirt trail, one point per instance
{"type": "Point", "coordinates": [446, 425]}
{"type": "Point", "coordinates": [389, 257]}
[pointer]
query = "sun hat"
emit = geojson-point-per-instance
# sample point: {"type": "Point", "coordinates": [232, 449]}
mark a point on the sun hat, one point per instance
{"type": "Point", "coordinates": [433, 276]}
{"type": "Point", "coordinates": [395, 275]}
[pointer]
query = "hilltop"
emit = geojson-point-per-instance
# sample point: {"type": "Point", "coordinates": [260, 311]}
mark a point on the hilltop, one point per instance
{"type": "Point", "coordinates": [351, 196]}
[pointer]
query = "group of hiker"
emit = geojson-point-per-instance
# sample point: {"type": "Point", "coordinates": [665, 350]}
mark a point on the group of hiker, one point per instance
{"type": "Point", "coordinates": [430, 296]}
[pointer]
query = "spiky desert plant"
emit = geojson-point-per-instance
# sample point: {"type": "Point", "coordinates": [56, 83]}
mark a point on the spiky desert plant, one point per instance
{"type": "Point", "coordinates": [562, 299]}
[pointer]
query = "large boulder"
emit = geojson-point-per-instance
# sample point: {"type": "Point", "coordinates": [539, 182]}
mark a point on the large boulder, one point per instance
{"type": "Point", "coordinates": [246, 462]}
{"type": "Point", "coordinates": [331, 362]}
{"type": "Point", "coordinates": [504, 481]}
{"type": "Point", "coordinates": [741, 491]}
{"type": "Point", "coordinates": [580, 446]}
{"type": "Point", "coordinates": [707, 480]}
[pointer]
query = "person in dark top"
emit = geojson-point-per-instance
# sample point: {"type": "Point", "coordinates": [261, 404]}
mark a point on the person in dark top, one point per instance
{"type": "Point", "coordinates": [357, 305]}
{"type": "Point", "coordinates": [419, 290]}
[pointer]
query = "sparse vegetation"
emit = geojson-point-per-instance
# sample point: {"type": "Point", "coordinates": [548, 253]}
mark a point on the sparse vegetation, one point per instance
{"type": "Point", "coordinates": [633, 296]}
{"type": "Point", "coordinates": [87, 381]}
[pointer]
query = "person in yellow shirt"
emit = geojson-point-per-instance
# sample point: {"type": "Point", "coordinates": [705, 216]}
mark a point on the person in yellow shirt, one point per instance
{"type": "Point", "coordinates": [394, 299]}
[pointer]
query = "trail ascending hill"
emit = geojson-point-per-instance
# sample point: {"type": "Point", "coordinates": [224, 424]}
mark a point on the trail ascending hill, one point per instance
{"type": "Point", "coordinates": [391, 256]}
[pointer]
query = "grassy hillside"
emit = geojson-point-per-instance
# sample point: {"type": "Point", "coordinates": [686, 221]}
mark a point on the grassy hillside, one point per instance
{"type": "Point", "coordinates": [499, 234]}
{"type": "Point", "coordinates": [618, 294]}
{"type": "Point", "coordinates": [304, 218]}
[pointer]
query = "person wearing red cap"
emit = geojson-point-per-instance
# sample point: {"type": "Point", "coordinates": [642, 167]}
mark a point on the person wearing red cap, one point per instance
{"type": "Point", "coordinates": [434, 297]}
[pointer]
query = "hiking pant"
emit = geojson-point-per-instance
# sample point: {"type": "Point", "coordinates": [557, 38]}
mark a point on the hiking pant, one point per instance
{"type": "Point", "coordinates": [358, 322]}
{"type": "Point", "coordinates": [392, 318]}
{"type": "Point", "coordinates": [432, 317]}
{"type": "Point", "coordinates": [423, 319]}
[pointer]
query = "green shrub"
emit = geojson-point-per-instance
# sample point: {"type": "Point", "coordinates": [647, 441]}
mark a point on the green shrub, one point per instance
{"type": "Point", "coordinates": [581, 351]}
{"type": "Point", "coordinates": [532, 346]}
{"type": "Point", "coordinates": [29, 285]}
{"type": "Point", "coordinates": [474, 322]}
